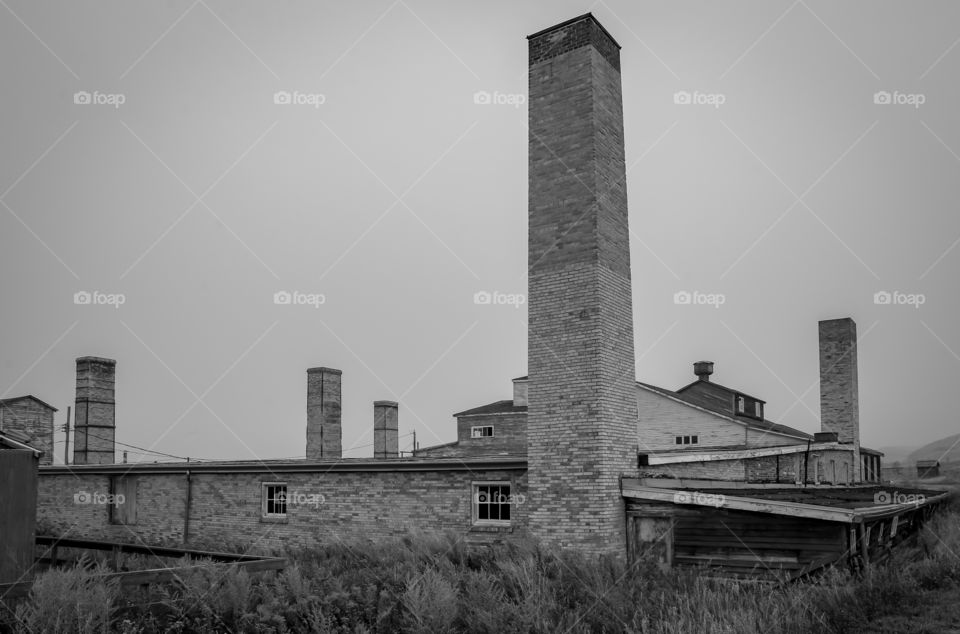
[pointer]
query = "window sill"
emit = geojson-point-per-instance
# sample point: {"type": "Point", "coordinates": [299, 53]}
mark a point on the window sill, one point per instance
{"type": "Point", "coordinates": [491, 528]}
{"type": "Point", "coordinates": [274, 519]}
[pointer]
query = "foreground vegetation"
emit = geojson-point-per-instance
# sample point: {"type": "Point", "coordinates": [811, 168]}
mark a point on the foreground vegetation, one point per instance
{"type": "Point", "coordinates": [438, 585]}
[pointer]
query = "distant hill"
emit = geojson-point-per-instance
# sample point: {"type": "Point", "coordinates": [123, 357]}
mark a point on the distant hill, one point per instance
{"type": "Point", "coordinates": [896, 454]}
{"type": "Point", "coordinates": [945, 450]}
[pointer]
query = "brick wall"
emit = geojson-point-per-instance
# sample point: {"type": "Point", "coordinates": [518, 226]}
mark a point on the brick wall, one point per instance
{"type": "Point", "coordinates": [509, 434]}
{"type": "Point", "coordinates": [225, 508]}
{"type": "Point", "coordinates": [29, 417]}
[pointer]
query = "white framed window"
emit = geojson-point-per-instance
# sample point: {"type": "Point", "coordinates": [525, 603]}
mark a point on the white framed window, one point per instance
{"type": "Point", "coordinates": [758, 409]}
{"type": "Point", "coordinates": [273, 499]}
{"type": "Point", "coordinates": [687, 440]}
{"type": "Point", "coordinates": [485, 431]}
{"type": "Point", "coordinates": [741, 405]}
{"type": "Point", "coordinates": [492, 503]}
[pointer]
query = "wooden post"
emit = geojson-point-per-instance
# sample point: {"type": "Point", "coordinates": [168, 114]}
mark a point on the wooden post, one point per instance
{"type": "Point", "coordinates": [66, 444]}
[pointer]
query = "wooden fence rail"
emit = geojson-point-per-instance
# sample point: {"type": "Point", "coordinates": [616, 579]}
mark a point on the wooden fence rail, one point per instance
{"type": "Point", "coordinates": [227, 561]}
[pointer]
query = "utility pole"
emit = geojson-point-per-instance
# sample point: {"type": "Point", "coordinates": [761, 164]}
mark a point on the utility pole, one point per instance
{"type": "Point", "coordinates": [66, 445]}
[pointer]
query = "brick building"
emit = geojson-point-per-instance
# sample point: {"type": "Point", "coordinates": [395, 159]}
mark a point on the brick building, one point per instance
{"type": "Point", "coordinates": [29, 420]}
{"type": "Point", "coordinates": [551, 461]}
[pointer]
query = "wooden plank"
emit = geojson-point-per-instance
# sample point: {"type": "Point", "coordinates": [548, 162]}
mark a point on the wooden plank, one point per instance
{"type": "Point", "coordinates": [155, 575]}
{"type": "Point", "coordinates": [755, 505]}
{"type": "Point", "coordinates": [141, 549]}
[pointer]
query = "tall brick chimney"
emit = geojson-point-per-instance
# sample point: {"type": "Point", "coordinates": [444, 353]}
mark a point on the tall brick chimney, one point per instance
{"type": "Point", "coordinates": [94, 430]}
{"type": "Point", "coordinates": [839, 393]}
{"type": "Point", "coordinates": [385, 421]}
{"type": "Point", "coordinates": [582, 416]}
{"type": "Point", "coordinates": [324, 433]}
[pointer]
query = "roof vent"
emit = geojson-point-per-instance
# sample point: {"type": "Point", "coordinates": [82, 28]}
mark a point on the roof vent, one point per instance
{"type": "Point", "coordinates": [703, 369]}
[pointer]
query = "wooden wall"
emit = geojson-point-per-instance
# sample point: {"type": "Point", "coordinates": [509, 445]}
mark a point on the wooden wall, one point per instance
{"type": "Point", "coordinates": [18, 512]}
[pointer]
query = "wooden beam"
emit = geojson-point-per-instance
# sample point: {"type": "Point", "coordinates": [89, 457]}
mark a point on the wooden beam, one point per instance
{"type": "Point", "coordinates": [155, 575]}
{"type": "Point", "coordinates": [756, 505]}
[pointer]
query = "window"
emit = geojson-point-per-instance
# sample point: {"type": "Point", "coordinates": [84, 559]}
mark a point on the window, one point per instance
{"type": "Point", "coordinates": [123, 500]}
{"type": "Point", "coordinates": [758, 409]}
{"type": "Point", "coordinates": [492, 502]}
{"type": "Point", "coordinates": [274, 499]}
{"type": "Point", "coordinates": [687, 440]}
{"type": "Point", "coordinates": [741, 405]}
{"type": "Point", "coordinates": [481, 432]}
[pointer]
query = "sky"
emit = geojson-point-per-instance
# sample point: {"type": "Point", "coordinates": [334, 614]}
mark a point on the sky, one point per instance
{"type": "Point", "coordinates": [180, 163]}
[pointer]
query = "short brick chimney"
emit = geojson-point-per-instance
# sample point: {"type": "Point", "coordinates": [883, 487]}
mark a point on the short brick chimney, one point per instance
{"type": "Point", "coordinates": [839, 392]}
{"type": "Point", "coordinates": [703, 370]}
{"type": "Point", "coordinates": [324, 433]}
{"type": "Point", "coordinates": [385, 425]}
{"type": "Point", "coordinates": [520, 392]}
{"type": "Point", "coordinates": [94, 432]}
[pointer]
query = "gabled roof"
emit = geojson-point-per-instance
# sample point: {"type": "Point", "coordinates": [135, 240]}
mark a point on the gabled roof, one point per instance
{"type": "Point", "coordinates": [724, 388]}
{"type": "Point", "coordinates": [499, 407]}
{"type": "Point", "coordinates": [30, 396]}
{"type": "Point", "coordinates": [762, 425]}
{"type": "Point", "coordinates": [8, 441]}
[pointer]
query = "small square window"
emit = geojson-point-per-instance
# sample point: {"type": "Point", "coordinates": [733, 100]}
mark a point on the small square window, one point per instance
{"type": "Point", "coordinates": [482, 432]}
{"type": "Point", "coordinates": [694, 440]}
{"type": "Point", "coordinates": [492, 503]}
{"type": "Point", "coordinates": [274, 499]}
{"type": "Point", "coordinates": [679, 440]}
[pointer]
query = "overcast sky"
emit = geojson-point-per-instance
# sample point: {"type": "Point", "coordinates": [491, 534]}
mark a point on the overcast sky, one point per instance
{"type": "Point", "coordinates": [184, 190]}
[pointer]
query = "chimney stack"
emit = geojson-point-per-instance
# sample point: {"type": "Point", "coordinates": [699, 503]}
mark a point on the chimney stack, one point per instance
{"type": "Point", "coordinates": [582, 401]}
{"type": "Point", "coordinates": [839, 393]}
{"type": "Point", "coordinates": [520, 392]}
{"type": "Point", "coordinates": [94, 432]}
{"type": "Point", "coordinates": [703, 369]}
{"type": "Point", "coordinates": [385, 425]}
{"type": "Point", "coordinates": [324, 433]}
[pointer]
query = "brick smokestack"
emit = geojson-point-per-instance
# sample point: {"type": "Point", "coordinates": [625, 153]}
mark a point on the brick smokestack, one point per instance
{"type": "Point", "coordinates": [582, 408]}
{"type": "Point", "coordinates": [386, 443]}
{"type": "Point", "coordinates": [839, 393]}
{"type": "Point", "coordinates": [324, 432]}
{"type": "Point", "coordinates": [94, 431]}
